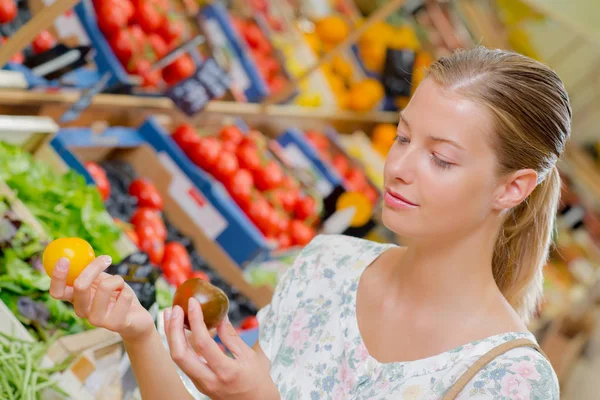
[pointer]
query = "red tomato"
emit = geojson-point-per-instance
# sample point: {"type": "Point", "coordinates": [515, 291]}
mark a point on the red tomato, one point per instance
{"type": "Point", "coordinates": [8, 11]}
{"type": "Point", "coordinates": [283, 223]}
{"type": "Point", "coordinates": [268, 177]}
{"type": "Point", "coordinates": [205, 153]}
{"type": "Point", "coordinates": [275, 23]}
{"type": "Point", "coordinates": [300, 233]}
{"type": "Point", "coordinates": [249, 323]}
{"type": "Point", "coordinates": [156, 225]}
{"type": "Point", "coordinates": [133, 236]}
{"type": "Point", "coordinates": [241, 182]}
{"type": "Point", "coordinates": [185, 135]}
{"type": "Point", "coordinates": [305, 208]}
{"type": "Point", "coordinates": [151, 79]}
{"type": "Point", "coordinates": [139, 66]}
{"type": "Point", "coordinates": [44, 41]}
{"type": "Point", "coordinates": [111, 18]}
{"type": "Point", "coordinates": [341, 164]}
{"type": "Point", "coordinates": [229, 147]}
{"type": "Point", "coordinates": [176, 252]}
{"type": "Point", "coordinates": [284, 241]}
{"type": "Point", "coordinates": [159, 46]}
{"type": "Point", "coordinates": [226, 166]}
{"type": "Point", "coordinates": [286, 198]}
{"type": "Point", "coordinates": [99, 176]}
{"type": "Point", "coordinates": [318, 140]}
{"type": "Point", "coordinates": [232, 134]}
{"type": "Point", "coordinates": [144, 214]}
{"type": "Point", "coordinates": [259, 212]}
{"type": "Point", "coordinates": [150, 15]}
{"type": "Point", "coordinates": [146, 194]}
{"type": "Point", "coordinates": [153, 246]}
{"type": "Point", "coordinates": [277, 84]}
{"type": "Point", "coordinates": [171, 30]}
{"type": "Point", "coordinates": [178, 70]}
{"type": "Point", "coordinates": [248, 157]}
{"type": "Point", "coordinates": [174, 274]}
{"type": "Point", "coordinates": [356, 180]}
{"type": "Point", "coordinates": [123, 45]}
{"type": "Point", "coordinates": [199, 275]}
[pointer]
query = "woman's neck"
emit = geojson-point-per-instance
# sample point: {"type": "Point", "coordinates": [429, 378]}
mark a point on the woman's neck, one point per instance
{"type": "Point", "coordinates": [455, 273]}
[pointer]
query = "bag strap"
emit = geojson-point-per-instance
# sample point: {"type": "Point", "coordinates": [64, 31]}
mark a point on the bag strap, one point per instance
{"type": "Point", "coordinates": [488, 357]}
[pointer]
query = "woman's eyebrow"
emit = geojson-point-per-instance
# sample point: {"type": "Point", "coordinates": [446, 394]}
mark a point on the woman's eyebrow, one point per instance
{"type": "Point", "coordinates": [404, 121]}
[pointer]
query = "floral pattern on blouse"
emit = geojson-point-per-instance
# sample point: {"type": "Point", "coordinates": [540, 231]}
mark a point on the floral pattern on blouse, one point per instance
{"type": "Point", "coordinates": [310, 334]}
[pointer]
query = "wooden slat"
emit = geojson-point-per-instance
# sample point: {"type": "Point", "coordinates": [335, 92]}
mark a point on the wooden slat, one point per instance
{"type": "Point", "coordinates": [25, 35]}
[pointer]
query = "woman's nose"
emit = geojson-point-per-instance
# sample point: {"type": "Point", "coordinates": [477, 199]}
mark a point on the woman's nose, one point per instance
{"type": "Point", "coordinates": [402, 164]}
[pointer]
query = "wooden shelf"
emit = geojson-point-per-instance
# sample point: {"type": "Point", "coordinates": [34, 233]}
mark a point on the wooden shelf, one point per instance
{"type": "Point", "coordinates": [135, 108]}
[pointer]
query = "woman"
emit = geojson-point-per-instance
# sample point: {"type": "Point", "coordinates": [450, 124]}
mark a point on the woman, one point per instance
{"type": "Point", "coordinates": [472, 187]}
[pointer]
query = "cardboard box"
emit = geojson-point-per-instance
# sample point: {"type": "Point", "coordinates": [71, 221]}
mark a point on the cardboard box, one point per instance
{"type": "Point", "coordinates": [184, 205]}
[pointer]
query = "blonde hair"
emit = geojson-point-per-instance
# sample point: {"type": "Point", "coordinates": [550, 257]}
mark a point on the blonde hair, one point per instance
{"type": "Point", "coordinates": [532, 117]}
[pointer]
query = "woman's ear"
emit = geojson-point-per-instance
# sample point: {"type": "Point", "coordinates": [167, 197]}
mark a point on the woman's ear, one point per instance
{"type": "Point", "coordinates": [515, 188]}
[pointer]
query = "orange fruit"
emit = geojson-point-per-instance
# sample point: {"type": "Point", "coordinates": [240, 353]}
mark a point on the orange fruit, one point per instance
{"type": "Point", "coordinates": [79, 252]}
{"type": "Point", "coordinates": [332, 30]}
{"type": "Point", "coordinates": [373, 57]}
{"type": "Point", "coordinates": [384, 135]}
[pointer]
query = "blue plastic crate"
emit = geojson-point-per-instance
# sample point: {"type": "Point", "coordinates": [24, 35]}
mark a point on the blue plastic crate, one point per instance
{"type": "Point", "coordinates": [295, 145]}
{"type": "Point", "coordinates": [240, 239]}
{"type": "Point", "coordinates": [258, 89]}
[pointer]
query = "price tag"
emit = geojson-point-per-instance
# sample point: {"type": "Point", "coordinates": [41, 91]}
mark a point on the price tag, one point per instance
{"type": "Point", "coordinates": [397, 75]}
{"type": "Point", "coordinates": [209, 82]}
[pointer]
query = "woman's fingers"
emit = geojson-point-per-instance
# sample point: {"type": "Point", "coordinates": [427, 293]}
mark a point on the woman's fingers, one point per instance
{"type": "Point", "coordinates": [203, 342]}
{"type": "Point", "coordinates": [119, 315]}
{"type": "Point", "coordinates": [231, 339]}
{"type": "Point", "coordinates": [181, 352]}
{"type": "Point", "coordinates": [102, 298]}
{"type": "Point", "coordinates": [82, 293]}
{"type": "Point", "coordinates": [58, 284]}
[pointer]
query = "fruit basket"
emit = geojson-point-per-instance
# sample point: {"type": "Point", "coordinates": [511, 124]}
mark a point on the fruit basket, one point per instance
{"type": "Point", "coordinates": [129, 37]}
{"type": "Point", "coordinates": [259, 180]}
{"type": "Point", "coordinates": [232, 53]}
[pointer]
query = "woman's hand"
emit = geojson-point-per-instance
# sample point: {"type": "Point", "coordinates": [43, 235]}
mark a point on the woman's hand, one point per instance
{"type": "Point", "coordinates": [105, 300]}
{"type": "Point", "coordinates": [246, 377]}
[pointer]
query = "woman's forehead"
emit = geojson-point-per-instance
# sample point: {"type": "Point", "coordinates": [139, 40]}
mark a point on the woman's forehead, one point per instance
{"type": "Point", "coordinates": [437, 111]}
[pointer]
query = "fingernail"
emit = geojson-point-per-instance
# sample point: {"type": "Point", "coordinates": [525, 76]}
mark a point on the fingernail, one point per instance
{"type": "Point", "coordinates": [62, 264]}
{"type": "Point", "coordinates": [176, 312]}
{"type": "Point", "coordinates": [167, 314]}
{"type": "Point", "coordinates": [107, 260]}
{"type": "Point", "coordinates": [192, 304]}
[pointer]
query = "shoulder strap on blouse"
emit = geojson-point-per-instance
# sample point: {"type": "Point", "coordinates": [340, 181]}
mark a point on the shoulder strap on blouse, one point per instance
{"type": "Point", "coordinates": [488, 357]}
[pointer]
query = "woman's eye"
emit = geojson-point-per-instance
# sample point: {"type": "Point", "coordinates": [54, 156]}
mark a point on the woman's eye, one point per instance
{"type": "Point", "coordinates": [402, 140]}
{"type": "Point", "coordinates": [438, 162]}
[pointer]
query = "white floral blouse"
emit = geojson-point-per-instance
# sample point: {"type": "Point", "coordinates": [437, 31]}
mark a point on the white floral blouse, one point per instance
{"type": "Point", "coordinates": [310, 334]}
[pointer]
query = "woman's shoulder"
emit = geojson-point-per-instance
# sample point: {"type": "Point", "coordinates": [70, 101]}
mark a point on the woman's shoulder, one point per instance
{"type": "Point", "coordinates": [340, 247]}
{"type": "Point", "coordinates": [522, 373]}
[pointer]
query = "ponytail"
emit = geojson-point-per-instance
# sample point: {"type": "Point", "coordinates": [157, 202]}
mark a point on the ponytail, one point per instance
{"type": "Point", "coordinates": [522, 246]}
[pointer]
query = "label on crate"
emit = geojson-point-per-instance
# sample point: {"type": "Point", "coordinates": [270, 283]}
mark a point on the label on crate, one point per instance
{"type": "Point", "coordinates": [222, 49]}
{"type": "Point", "coordinates": [189, 198]}
{"type": "Point", "coordinates": [209, 82]}
{"type": "Point", "coordinates": [301, 162]}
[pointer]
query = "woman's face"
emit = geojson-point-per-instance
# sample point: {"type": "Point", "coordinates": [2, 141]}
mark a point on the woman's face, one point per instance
{"type": "Point", "coordinates": [440, 174]}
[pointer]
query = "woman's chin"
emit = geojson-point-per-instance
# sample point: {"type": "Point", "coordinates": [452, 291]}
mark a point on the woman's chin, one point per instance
{"type": "Point", "coordinates": [401, 225]}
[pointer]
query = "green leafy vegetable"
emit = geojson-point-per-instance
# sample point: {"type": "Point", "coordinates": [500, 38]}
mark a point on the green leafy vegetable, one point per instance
{"type": "Point", "coordinates": [64, 204]}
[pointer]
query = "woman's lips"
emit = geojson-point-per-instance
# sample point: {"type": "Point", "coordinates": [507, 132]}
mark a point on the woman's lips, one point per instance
{"type": "Point", "coordinates": [395, 200]}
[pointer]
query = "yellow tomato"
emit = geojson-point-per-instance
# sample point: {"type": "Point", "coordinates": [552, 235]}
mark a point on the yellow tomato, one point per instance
{"type": "Point", "coordinates": [77, 251]}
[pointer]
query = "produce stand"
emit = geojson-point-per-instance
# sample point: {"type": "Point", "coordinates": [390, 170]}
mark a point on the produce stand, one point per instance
{"type": "Point", "coordinates": [296, 83]}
